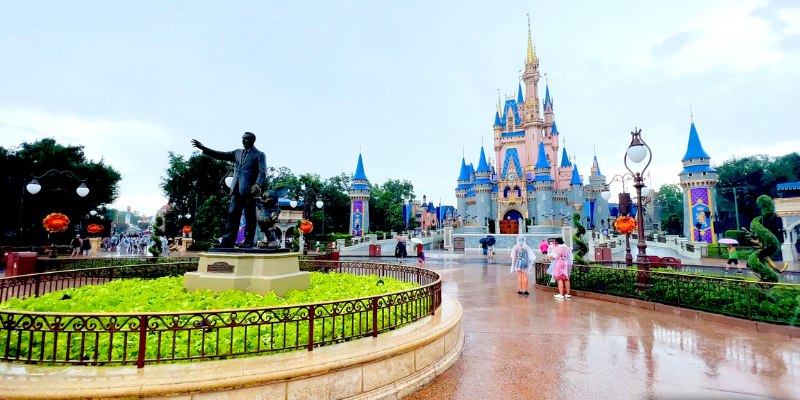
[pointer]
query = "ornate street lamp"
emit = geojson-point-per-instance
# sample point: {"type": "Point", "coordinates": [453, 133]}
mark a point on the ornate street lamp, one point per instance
{"type": "Point", "coordinates": [638, 150]}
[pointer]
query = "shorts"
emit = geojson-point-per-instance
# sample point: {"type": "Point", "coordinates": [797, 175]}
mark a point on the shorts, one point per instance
{"type": "Point", "coordinates": [561, 277]}
{"type": "Point", "coordinates": [485, 250]}
{"type": "Point", "coordinates": [734, 261]}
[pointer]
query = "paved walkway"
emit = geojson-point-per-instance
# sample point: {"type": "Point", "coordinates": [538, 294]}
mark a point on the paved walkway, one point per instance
{"type": "Point", "coordinates": [536, 347]}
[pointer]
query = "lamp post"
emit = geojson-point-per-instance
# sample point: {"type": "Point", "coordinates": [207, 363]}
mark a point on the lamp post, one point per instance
{"type": "Point", "coordinates": [637, 151]}
{"type": "Point", "coordinates": [320, 204]}
{"type": "Point", "coordinates": [33, 187]}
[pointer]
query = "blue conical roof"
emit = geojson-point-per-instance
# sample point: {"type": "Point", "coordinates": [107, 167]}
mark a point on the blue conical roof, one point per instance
{"type": "Point", "coordinates": [597, 166]}
{"type": "Point", "coordinates": [482, 165]}
{"type": "Point", "coordinates": [576, 177]}
{"type": "Point", "coordinates": [541, 161]}
{"type": "Point", "coordinates": [547, 101]}
{"type": "Point", "coordinates": [464, 174]}
{"type": "Point", "coordinates": [694, 149]}
{"type": "Point", "coordinates": [520, 99]}
{"type": "Point", "coordinates": [565, 159]}
{"type": "Point", "coordinates": [555, 129]}
{"type": "Point", "coordinates": [497, 119]}
{"type": "Point", "coordinates": [360, 175]}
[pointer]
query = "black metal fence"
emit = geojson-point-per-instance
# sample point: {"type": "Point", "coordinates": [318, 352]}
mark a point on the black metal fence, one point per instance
{"type": "Point", "coordinates": [141, 338]}
{"type": "Point", "coordinates": [777, 303]}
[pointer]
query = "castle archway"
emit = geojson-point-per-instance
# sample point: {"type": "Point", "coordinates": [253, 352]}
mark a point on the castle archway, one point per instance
{"type": "Point", "coordinates": [511, 222]}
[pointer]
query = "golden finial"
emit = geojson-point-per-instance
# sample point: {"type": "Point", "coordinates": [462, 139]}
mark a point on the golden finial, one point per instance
{"type": "Point", "coordinates": [531, 51]}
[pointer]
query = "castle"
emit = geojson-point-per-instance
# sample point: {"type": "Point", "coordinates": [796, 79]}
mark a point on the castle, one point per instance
{"type": "Point", "coordinates": [529, 181]}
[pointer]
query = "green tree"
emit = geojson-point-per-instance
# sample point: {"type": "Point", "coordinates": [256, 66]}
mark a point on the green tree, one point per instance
{"type": "Point", "coordinates": [57, 194]}
{"type": "Point", "coordinates": [386, 205]}
{"type": "Point", "coordinates": [752, 176]}
{"type": "Point", "coordinates": [188, 184]}
{"type": "Point", "coordinates": [670, 199]}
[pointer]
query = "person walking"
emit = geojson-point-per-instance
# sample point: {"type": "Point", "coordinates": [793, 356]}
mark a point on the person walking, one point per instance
{"type": "Point", "coordinates": [733, 257]}
{"type": "Point", "coordinates": [543, 247]}
{"type": "Point", "coordinates": [521, 262]}
{"type": "Point", "coordinates": [76, 246]}
{"type": "Point", "coordinates": [86, 247]}
{"type": "Point", "coordinates": [562, 266]}
{"type": "Point", "coordinates": [420, 255]}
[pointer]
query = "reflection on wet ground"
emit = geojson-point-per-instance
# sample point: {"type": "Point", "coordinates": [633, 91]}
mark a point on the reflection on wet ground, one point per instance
{"type": "Point", "coordinates": [536, 347]}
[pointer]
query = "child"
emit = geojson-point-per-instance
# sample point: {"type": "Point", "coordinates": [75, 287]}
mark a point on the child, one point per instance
{"type": "Point", "coordinates": [733, 257]}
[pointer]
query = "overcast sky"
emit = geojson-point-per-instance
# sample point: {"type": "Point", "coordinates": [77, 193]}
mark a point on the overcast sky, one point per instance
{"type": "Point", "coordinates": [411, 84]}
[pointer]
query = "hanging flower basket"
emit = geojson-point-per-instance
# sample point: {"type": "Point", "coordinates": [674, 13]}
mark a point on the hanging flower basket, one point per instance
{"type": "Point", "coordinates": [187, 229]}
{"type": "Point", "coordinates": [94, 229]}
{"type": "Point", "coordinates": [55, 222]}
{"type": "Point", "coordinates": [625, 225]}
{"type": "Point", "coordinates": [306, 226]}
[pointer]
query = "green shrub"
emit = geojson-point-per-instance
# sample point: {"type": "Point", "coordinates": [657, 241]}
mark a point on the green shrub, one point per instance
{"type": "Point", "coordinates": [199, 245]}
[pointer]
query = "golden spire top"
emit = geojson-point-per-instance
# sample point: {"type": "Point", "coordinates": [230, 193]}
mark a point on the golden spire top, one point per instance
{"type": "Point", "coordinates": [531, 51]}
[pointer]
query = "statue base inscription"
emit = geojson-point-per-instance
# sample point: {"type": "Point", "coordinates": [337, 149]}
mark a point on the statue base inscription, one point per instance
{"type": "Point", "coordinates": [250, 272]}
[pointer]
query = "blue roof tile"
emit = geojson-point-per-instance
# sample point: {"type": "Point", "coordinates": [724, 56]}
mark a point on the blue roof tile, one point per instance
{"type": "Point", "coordinates": [511, 157]}
{"type": "Point", "coordinates": [597, 166]}
{"type": "Point", "coordinates": [698, 168]}
{"type": "Point", "coordinates": [520, 99]}
{"type": "Point", "coordinates": [576, 177]}
{"type": "Point", "coordinates": [482, 165]}
{"type": "Point", "coordinates": [554, 130]}
{"type": "Point", "coordinates": [788, 186]}
{"type": "Point", "coordinates": [565, 159]}
{"type": "Point", "coordinates": [541, 160]}
{"type": "Point", "coordinates": [463, 175]}
{"type": "Point", "coordinates": [694, 149]}
{"type": "Point", "coordinates": [360, 175]}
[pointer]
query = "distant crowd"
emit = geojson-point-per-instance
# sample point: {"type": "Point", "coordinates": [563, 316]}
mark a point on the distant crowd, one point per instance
{"type": "Point", "coordinates": [124, 244]}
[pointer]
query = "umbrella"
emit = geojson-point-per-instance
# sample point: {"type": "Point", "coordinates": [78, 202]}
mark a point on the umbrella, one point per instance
{"type": "Point", "coordinates": [491, 240]}
{"type": "Point", "coordinates": [728, 241]}
{"type": "Point", "coordinates": [416, 240]}
{"type": "Point", "coordinates": [482, 240]}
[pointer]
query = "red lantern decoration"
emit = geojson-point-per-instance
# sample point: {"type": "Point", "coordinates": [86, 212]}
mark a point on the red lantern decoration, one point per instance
{"type": "Point", "coordinates": [306, 226]}
{"type": "Point", "coordinates": [55, 222]}
{"type": "Point", "coordinates": [187, 229]}
{"type": "Point", "coordinates": [94, 228]}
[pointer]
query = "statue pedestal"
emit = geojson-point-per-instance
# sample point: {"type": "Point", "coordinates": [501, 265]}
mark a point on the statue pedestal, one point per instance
{"type": "Point", "coordinates": [251, 272]}
{"type": "Point", "coordinates": [95, 245]}
{"type": "Point", "coordinates": [185, 244]}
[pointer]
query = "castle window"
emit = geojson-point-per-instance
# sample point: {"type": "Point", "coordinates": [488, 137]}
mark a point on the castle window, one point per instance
{"type": "Point", "coordinates": [505, 191]}
{"type": "Point", "coordinates": [519, 191]}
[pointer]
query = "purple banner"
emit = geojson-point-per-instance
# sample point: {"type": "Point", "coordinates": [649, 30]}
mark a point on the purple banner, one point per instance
{"type": "Point", "coordinates": [358, 218]}
{"type": "Point", "coordinates": [701, 227]}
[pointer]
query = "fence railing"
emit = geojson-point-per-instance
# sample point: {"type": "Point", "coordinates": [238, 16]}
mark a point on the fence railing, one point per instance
{"type": "Point", "coordinates": [758, 301]}
{"type": "Point", "coordinates": [143, 338]}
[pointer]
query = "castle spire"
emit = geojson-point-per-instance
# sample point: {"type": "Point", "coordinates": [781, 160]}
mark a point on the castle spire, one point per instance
{"type": "Point", "coordinates": [531, 52]}
{"type": "Point", "coordinates": [482, 165]}
{"type": "Point", "coordinates": [520, 100]}
{"type": "Point", "coordinates": [694, 149]}
{"type": "Point", "coordinates": [360, 175]}
{"type": "Point", "coordinates": [576, 177]}
{"type": "Point", "coordinates": [565, 159]}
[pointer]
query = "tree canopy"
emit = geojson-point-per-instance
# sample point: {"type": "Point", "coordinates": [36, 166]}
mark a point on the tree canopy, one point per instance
{"type": "Point", "coordinates": [60, 170]}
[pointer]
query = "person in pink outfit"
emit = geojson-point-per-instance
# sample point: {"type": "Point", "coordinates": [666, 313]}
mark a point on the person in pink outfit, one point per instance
{"type": "Point", "coordinates": [522, 259]}
{"type": "Point", "coordinates": [562, 266]}
{"type": "Point", "coordinates": [543, 247]}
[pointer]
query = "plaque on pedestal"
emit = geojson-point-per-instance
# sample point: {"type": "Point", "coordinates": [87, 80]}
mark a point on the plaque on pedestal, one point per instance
{"type": "Point", "coordinates": [251, 270]}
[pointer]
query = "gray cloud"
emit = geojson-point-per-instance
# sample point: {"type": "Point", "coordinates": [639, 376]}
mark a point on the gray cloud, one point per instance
{"type": "Point", "coordinates": [674, 44]}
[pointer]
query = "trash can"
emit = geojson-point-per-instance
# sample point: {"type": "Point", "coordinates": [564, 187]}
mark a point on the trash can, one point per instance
{"type": "Point", "coordinates": [21, 263]}
{"type": "Point", "coordinates": [375, 250]}
{"type": "Point", "coordinates": [602, 254]}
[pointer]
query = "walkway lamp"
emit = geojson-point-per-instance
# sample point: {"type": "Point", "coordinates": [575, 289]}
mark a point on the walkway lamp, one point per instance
{"type": "Point", "coordinates": [639, 152]}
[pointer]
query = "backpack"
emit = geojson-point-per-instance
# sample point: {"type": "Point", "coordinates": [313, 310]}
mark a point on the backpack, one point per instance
{"type": "Point", "coordinates": [522, 258]}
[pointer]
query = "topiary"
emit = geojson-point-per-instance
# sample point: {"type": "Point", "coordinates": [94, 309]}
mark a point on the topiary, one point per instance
{"type": "Point", "coordinates": [760, 262]}
{"type": "Point", "coordinates": [577, 238]}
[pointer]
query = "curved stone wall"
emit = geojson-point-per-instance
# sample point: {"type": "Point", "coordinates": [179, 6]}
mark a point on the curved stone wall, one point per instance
{"type": "Point", "coordinates": [388, 366]}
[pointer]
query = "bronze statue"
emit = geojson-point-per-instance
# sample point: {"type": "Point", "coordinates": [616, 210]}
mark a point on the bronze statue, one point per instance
{"type": "Point", "coordinates": [268, 213]}
{"type": "Point", "coordinates": [249, 176]}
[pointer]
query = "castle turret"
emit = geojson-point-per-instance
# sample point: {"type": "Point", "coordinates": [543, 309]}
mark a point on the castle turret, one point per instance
{"type": "Point", "coordinates": [531, 78]}
{"type": "Point", "coordinates": [698, 180]}
{"type": "Point", "coordinates": [483, 190]}
{"type": "Point", "coordinates": [543, 183]}
{"type": "Point", "coordinates": [359, 201]}
{"type": "Point", "coordinates": [598, 211]}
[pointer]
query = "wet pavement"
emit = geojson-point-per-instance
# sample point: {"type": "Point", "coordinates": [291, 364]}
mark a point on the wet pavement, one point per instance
{"type": "Point", "coordinates": [536, 347]}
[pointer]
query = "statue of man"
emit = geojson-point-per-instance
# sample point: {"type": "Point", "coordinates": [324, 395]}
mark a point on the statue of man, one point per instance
{"type": "Point", "coordinates": [249, 175]}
